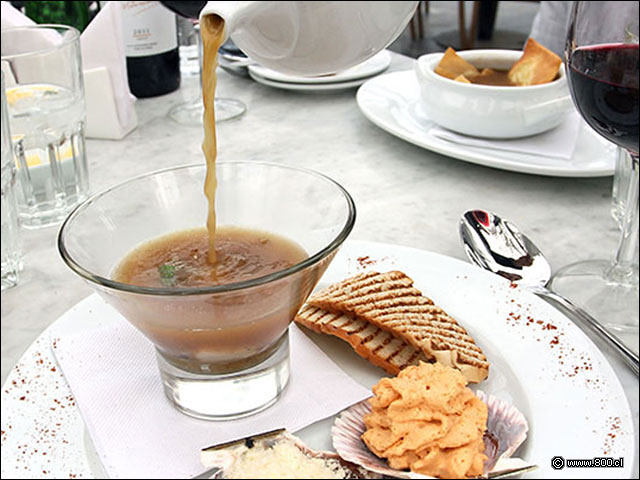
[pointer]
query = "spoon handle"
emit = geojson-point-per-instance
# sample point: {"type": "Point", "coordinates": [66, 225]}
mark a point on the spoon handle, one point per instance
{"type": "Point", "coordinates": [577, 313]}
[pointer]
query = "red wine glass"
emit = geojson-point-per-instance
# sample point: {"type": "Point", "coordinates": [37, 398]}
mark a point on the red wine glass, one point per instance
{"type": "Point", "coordinates": [601, 58]}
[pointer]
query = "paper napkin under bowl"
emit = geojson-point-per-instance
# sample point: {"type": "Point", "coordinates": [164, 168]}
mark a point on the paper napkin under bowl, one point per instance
{"type": "Point", "coordinates": [137, 433]}
{"type": "Point", "coordinates": [558, 143]}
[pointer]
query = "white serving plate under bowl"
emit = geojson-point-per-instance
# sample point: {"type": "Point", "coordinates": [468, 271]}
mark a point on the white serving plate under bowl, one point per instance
{"type": "Point", "coordinates": [491, 111]}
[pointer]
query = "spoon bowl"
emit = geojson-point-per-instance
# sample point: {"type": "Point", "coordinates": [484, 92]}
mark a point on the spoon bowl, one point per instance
{"type": "Point", "coordinates": [498, 246]}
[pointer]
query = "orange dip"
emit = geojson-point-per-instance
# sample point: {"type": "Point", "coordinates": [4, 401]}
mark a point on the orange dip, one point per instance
{"type": "Point", "coordinates": [427, 420]}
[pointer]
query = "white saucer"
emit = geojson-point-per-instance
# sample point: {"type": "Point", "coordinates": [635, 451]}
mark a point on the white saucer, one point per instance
{"type": "Point", "coordinates": [307, 87]}
{"type": "Point", "coordinates": [376, 64]}
{"type": "Point", "coordinates": [392, 102]}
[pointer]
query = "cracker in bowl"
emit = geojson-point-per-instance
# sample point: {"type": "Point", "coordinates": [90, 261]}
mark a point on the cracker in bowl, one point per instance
{"type": "Point", "coordinates": [537, 65]}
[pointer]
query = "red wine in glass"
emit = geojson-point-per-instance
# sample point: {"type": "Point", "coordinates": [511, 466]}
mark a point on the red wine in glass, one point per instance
{"type": "Point", "coordinates": [604, 84]}
{"type": "Point", "coordinates": [602, 73]}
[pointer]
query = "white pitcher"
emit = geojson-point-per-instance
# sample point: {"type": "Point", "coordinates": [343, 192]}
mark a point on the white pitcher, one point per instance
{"type": "Point", "coordinates": [311, 38]}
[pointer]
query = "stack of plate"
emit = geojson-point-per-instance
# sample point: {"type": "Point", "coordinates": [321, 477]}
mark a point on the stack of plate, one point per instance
{"type": "Point", "coordinates": [350, 78]}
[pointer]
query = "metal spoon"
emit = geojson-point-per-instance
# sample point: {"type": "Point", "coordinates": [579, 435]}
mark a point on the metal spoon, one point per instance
{"type": "Point", "coordinates": [496, 245]}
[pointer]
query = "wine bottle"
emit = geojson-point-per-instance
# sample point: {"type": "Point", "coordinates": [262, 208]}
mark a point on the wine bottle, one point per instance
{"type": "Point", "coordinates": [151, 48]}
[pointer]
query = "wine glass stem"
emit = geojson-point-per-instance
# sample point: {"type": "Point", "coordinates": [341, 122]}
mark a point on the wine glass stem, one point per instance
{"type": "Point", "coordinates": [622, 271]}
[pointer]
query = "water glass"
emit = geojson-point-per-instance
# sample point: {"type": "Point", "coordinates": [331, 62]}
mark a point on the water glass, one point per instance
{"type": "Point", "coordinates": [10, 244]}
{"type": "Point", "coordinates": [43, 74]}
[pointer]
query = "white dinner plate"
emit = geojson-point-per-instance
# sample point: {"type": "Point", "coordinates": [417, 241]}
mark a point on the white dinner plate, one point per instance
{"type": "Point", "coordinates": [540, 361]}
{"type": "Point", "coordinates": [392, 102]}
{"type": "Point", "coordinates": [376, 64]}
{"type": "Point", "coordinates": [308, 87]}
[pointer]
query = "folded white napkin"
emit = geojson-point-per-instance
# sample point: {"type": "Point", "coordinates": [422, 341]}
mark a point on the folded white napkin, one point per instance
{"type": "Point", "coordinates": [113, 374]}
{"type": "Point", "coordinates": [558, 142]}
{"type": "Point", "coordinates": [109, 102]}
{"type": "Point", "coordinates": [11, 17]}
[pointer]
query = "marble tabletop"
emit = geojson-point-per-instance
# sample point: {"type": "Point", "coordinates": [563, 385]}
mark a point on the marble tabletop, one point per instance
{"type": "Point", "coordinates": [404, 194]}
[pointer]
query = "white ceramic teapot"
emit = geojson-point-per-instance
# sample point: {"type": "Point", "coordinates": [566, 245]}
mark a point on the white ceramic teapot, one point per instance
{"type": "Point", "coordinates": [311, 38]}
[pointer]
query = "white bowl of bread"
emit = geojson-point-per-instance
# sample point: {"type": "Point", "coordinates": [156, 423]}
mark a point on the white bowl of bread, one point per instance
{"type": "Point", "coordinates": [536, 101]}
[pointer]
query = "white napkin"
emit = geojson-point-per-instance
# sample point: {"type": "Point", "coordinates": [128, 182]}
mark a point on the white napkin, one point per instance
{"type": "Point", "coordinates": [558, 142]}
{"type": "Point", "coordinates": [114, 377]}
{"type": "Point", "coordinates": [12, 17]}
{"type": "Point", "coordinates": [109, 102]}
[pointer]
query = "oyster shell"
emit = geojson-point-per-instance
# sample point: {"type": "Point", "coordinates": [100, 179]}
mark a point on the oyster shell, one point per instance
{"type": "Point", "coordinates": [506, 431]}
{"type": "Point", "coordinates": [223, 456]}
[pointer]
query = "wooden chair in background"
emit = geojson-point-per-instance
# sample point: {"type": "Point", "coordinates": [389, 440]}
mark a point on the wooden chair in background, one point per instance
{"type": "Point", "coordinates": [481, 27]}
{"type": "Point", "coordinates": [483, 20]}
{"type": "Point", "coordinates": [416, 25]}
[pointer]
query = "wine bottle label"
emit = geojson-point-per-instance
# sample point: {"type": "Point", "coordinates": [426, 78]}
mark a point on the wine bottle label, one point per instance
{"type": "Point", "coordinates": [148, 29]}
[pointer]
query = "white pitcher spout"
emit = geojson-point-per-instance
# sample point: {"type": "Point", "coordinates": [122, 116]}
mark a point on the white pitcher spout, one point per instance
{"type": "Point", "coordinates": [231, 12]}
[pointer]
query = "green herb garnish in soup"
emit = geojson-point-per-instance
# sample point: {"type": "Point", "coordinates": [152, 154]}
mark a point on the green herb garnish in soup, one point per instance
{"type": "Point", "coordinates": [167, 275]}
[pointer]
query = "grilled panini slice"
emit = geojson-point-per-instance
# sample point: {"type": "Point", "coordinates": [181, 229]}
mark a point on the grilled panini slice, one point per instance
{"type": "Point", "coordinates": [390, 302]}
{"type": "Point", "coordinates": [380, 347]}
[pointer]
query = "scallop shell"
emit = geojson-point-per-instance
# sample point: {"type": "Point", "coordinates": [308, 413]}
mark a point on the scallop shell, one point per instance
{"type": "Point", "coordinates": [506, 430]}
{"type": "Point", "coordinates": [223, 458]}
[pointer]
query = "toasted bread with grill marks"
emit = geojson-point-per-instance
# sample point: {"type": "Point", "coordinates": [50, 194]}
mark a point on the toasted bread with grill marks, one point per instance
{"type": "Point", "coordinates": [380, 347]}
{"type": "Point", "coordinates": [365, 284]}
{"type": "Point", "coordinates": [390, 302]}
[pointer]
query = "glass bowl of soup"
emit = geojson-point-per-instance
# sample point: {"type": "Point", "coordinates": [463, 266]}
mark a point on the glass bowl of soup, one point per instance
{"type": "Point", "coordinates": [219, 323]}
{"type": "Point", "coordinates": [491, 110]}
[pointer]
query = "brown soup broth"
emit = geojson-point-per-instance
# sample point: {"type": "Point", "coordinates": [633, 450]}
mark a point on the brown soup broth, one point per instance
{"type": "Point", "coordinates": [497, 78]}
{"type": "Point", "coordinates": [180, 259]}
{"type": "Point", "coordinates": [214, 332]}
{"type": "Point", "coordinates": [217, 332]}
{"type": "Point", "coordinates": [494, 78]}
{"type": "Point", "coordinates": [212, 34]}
